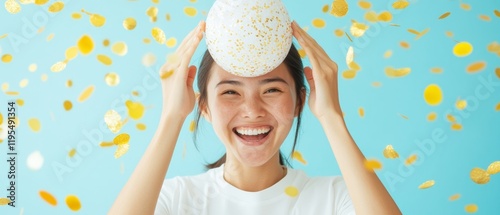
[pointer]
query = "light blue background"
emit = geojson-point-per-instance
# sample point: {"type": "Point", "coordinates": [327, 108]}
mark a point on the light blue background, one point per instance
{"type": "Point", "coordinates": [96, 178]}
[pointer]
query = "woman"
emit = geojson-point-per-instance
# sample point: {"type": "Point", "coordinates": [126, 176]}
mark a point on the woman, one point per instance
{"type": "Point", "coordinates": [252, 117]}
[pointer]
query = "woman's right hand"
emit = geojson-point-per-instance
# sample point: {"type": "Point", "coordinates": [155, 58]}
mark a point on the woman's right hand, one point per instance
{"type": "Point", "coordinates": [177, 78]}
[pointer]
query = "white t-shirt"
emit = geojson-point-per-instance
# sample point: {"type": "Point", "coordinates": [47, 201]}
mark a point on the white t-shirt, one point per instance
{"type": "Point", "coordinates": [209, 193]}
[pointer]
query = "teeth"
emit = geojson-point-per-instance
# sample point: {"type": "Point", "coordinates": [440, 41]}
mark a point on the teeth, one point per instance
{"type": "Point", "coordinates": [245, 131]}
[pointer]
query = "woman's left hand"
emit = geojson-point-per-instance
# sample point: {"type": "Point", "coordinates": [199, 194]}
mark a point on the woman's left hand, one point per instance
{"type": "Point", "coordinates": [322, 78]}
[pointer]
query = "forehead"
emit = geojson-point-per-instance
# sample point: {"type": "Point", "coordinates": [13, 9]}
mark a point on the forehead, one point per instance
{"type": "Point", "coordinates": [218, 74]}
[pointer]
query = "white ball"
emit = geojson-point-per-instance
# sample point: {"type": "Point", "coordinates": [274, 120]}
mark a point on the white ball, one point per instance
{"type": "Point", "coordinates": [248, 38]}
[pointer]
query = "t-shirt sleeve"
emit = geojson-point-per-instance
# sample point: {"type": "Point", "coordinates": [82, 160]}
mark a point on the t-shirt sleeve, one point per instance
{"type": "Point", "coordinates": [164, 199]}
{"type": "Point", "coordinates": [343, 202]}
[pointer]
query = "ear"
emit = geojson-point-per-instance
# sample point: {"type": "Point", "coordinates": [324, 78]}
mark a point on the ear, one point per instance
{"type": "Point", "coordinates": [301, 105]}
{"type": "Point", "coordinates": [206, 114]}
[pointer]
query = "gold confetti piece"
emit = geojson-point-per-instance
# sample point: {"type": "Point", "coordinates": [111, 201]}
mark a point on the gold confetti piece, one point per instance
{"type": "Point", "coordinates": [158, 35]}
{"type": "Point", "coordinates": [190, 11]}
{"type": "Point", "coordinates": [325, 8]}
{"type": "Point", "coordinates": [140, 126]}
{"type": "Point", "coordinates": [104, 59]}
{"type": "Point", "coordinates": [167, 17]}
{"type": "Point", "coordinates": [497, 107]}
{"type": "Point", "coordinates": [456, 126]}
{"type": "Point", "coordinates": [339, 8]}
{"type": "Point", "coordinates": [462, 49]}
{"type": "Point", "coordinates": [385, 16]}
{"type": "Point", "coordinates": [298, 156]}
{"type": "Point", "coordinates": [5, 86]}
{"type": "Point", "coordinates": [400, 4]}
{"type": "Point", "coordinates": [413, 31]}
{"type": "Point", "coordinates": [349, 57]}
{"type": "Point", "coordinates": [32, 67]}
{"type": "Point", "coordinates": [338, 32]}
{"type": "Point", "coordinates": [1, 118]}
{"type": "Point", "coordinates": [465, 6]}
{"type": "Point", "coordinates": [85, 44]}
{"type": "Point", "coordinates": [364, 5]}
{"type": "Point", "coordinates": [34, 124]}
{"type": "Point", "coordinates": [454, 197]}
{"type": "Point", "coordinates": [76, 15]}
{"type": "Point", "coordinates": [69, 83]}
{"type": "Point", "coordinates": [291, 191]}
{"type": "Point", "coordinates": [192, 126]}
{"type": "Point", "coordinates": [476, 67]}
{"type": "Point", "coordinates": [47, 197]}
{"type": "Point", "coordinates": [86, 93]}
{"type": "Point", "coordinates": [479, 176]}
{"type": "Point", "coordinates": [426, 184]}
{"type": "Point", "coordinates": [50, 37]}
{"type": "Point", "coordinates": [422, 33]}
{"type": "Point", "coordinates": [135, 109]}
{"type": "Point", "coordinates": [493, 168]}
{"type": "Point", "coordinates": [397, 73]}
{"type": "Point", "coordinates": [358, 29]}
{"type": "Point", "coordinates": [12, 93]}
{"type": "Point", "coordinates": [411, 159]}
{"type": "Point", "coordinates": [484, 18]}
{"type": "Point", "coordinates": [72, 153]}
{"type": "Point", "coordinates": [56, 7]}
{"type": "Point", "coordinates": [112, 79]}
{"type": "Point", "coordinates": [129, 23]}
{"type": "Point", "coordinates": [354, 66]}
{"type": "Point", "coordinates": [44, 77]}
{"type": "Point", "coordinates": [41, 2]}
{"type": "Point", "coordinates": [4, 201]}
{"type": "Point", "coordinates": [166, 74]}
{"type": "Point", "coordinates": [302, 53]}
{"type": "Point", "coordinates": [73, 203]}
{"type": "Point", "coordinates": [436, 70]}
{"type": "Point", "coordinates": [106, 144]}
{"type": "Point", "coordinates": [23, 83]}
{"type": "Point", "coordinates": [71, 53]}
{"type": "Point", "coordinates": [113, 120]}
{"type": "Point", "coordinates": [318, 23]}
{"type": "Point", "coordinates": [96, 20]}
{"type": "Point", "coordinates": [497, 13]}
{"type": "Point", "coordinates": [121, 139]}
{"type": "Point", "coordinates": [155, 1]}
{"type": "Point", "coordinates": [58, 67]}
{"type": "Point", "coordinates": [105, 42]}
{"type": "Point", "coordinates": [121, 150]}
{"type": "Point", "coordinates": [390, 153]}
{"type": "Point", "coordinates": [451, 118]}
{"type": "Point", "coordinates": [6, 58]}
{"type": "Point", "coordinates": [461, 104]}
{"type": "Point", "coordinates": [3, 36]}
{"type": "Point", "coordinates": [497, 72]}
{"type": "Point", "coordinates": [404, 44]}
{"type": "Point", "coordinates": [67, 105]}
{"type": "Point", "coordinates": [171, 42]}
{"type": "Point", "coordinates": [388, 54]}
{"type": "Point", "coordinates": [471, 208]}
{"type": "Point", "coordinates": [20, 102]}
{"type": "Point", "coordinates": [433, 95]}
{"type": "Point", "coordinates": [361, 112]}
{"type": "Point", "coordinates": [349, 74]}
{"type": "Point", "coordinates": [372, 164]}
{"type": "Point", "coordinates": [12, 6]}
{"type": "Point", "coordinates": [444, 15]}
{"type": "Point", "coordinates": [449, 34]}
{"type": "Point", "coordinates": [119, 48]}
{"type": "Point", "coordinates": [376, 84]}
{"type": "Point", "coordinates": [148, 59]}
{"type": "Point", "coordinates": [348, 37]}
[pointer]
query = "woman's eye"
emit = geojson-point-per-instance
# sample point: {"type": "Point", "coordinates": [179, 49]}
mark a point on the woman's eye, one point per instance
{"type": "Point", "coordinates": [273, 90]}
{"type": "Point", "coordinates": [229, 92]}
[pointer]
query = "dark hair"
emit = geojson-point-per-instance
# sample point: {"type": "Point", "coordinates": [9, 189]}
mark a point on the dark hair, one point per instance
{"type": "Point", "coordinates": [295, 67]}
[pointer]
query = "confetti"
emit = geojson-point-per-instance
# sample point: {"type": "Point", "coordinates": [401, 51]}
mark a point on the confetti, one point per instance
{"type": "Point", "coordinates": [349, 74]}
{"type": "Point", "coordinates": [69, 83]}
{"type": "Point", "coordinates": [12, 6]}
{"type": "Point", "coordinates": [104, 59]}
{"type": "Point", "coordinates": [497, 72]}
{"type": "Point", "coordinates": [41, 2]}
{"type": "Point", "coordinates": [106, 144]}
{"type": "Point", "coordinates": [413, 31]}
{"type": "Point", "coordinates": [34, 124]}
{"type": "Point", "coordinates": [20, 102]}
{"type": "Point", "coordinates": [32, 67]}
{"type": "Point", "coordinates": [388, 54]}
{"type": "Point", "coordinates": [461, 104]}
{"type": "Point", "coordinates": [339, 8]}
{"type": "Point", "coordinates": [476, 67]}
{"type": "Point", "coordinates": [361, 112]}
{"type": "Point", "coordinates": [390, 153]}
{"type": "Point", "coordinates": [497, 107]}
{"type": "Point", "coordinates": [465, 6]}
{"type": "Point", "coordinates": [50, 37]}
{"type": "Point", "coordinates": [471, 208]}
{"type": "Point", "coordinates": [67, 105]}
{"type": "Point", "coordinates": [105, 43]}
{"type": "Point", "coordinates": [113, 120]}
{"type": "Point", "coordinates": [4, 201]}
{"type": "Point", "coordinates": [167, 17]}
{"type": "Point", "coordinates": [112, 79]}
{"type": "Point", "coordinates": [73, 202]}
{"type": "Point", "coordinates": [433, 95]}
{"type": "Point", "coordinates": [58, 67]}
{"type": "Point", "coordinates": [85, 44]}
{"type": "Point", "coordinates": [444, 15]}
{"type": "Point", "coordinates": [291, 191]}
{"type": "Point", "coordinates": [432, 116]}
{"type": "Point", "coordinates": [485, 18]}
{"type": "Point", "coordinates": [302, 53]}
{"type": "Point", "coordinates": [47, 197]}
{"type": "Point", "coordinates": [121, 139]}
{"type": "Point", "coordinates": [23, 83]}
{"type": "Point", "coordinates": [436, 70]}
{"type": "Point", "coordinates": [325, 8]}
{"type": "Point", "coordinates": [462, 49]}
{"type": "Point", "coordinates": [56, 7]}
{"type": "Point", "coordinates": [454, 197]}
{"type": "Point", "coordinates": [140, 126]}
{"type": "Point", "coordinates": [427, 184]}
{"type": "Point", "coordinates": [497, 13]}
{"type": "Point", "coordinates": [34, 161]}
{"type": "Point", "coordinates": [298, 156]}
{"type": "Point", "coordinates": [71, 53]}
{"type": "Point", "coordinates": [166, 74]}
{"type": "Point", "coordinates": [479, 176]}
{"type": "Point", "coordinates": [372, 164]}
{"type": "Point", "coordinates": [72, 153]}
{"type": "Point", "coordinates": [400, 4]}
{"type": "Point", "coordinates": [349, 57]}
{"type": "Point", "coordinates": [354, 66]}
{"type": "Point", "coordinates": [364, 5]}
{"type": "Point", "coordinates": [121, 150]}
{"type": "Point", "coordinates": [171, 42]}
{"type": "Point", "coordinates": [421, 34]}
{"type": "Point", "coordinates": [192, 125]}
{"type": "Point", "coordinates": [86, 93]}
{"type": "Point", "coordinates": [119, 48]}
{"type": "Point", "coordinates": [411, 159]}
{"type": "Point", "coordinates": [158, 35]}
{"type": "Point", "coordinates": [129, 23]}
{"type": "Point", "coordinates": [190, 11]}
{"type": "Point", "coordinates": [358, 29]}
{"type": "Point", "coordinates": [148, 59]}
{"type": "Point", "coordinates": [338, 32]}
{"type": "Point", "coordinates": [152, 12]}
{"type": "Point", "coordinates": [385, 16]}
{"type": "Point", "coordinates": [76, 15]}
{"type": "Point", "coordinates": [493, 168]}
{"type": "Point", "coordinates": [44, 77]}
{"type": "Point", "coordinates": [6, 58]}
{"type": "Point", "coordinates": [1, 118]}
{"type": "Point", "coordinates": [397, 73]}
{"type": "Point", "coordinates": [96, 20]}
{"type": "Point", "coordinates": [404, 44]}
{"type": "Point", "coordinates": [318, 23]}
{"type": "Point", "coordinates": [135, 109]}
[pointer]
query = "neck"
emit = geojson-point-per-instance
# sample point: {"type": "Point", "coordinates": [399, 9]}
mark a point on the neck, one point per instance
{"type": "Point", "coordinates": [253, 179]}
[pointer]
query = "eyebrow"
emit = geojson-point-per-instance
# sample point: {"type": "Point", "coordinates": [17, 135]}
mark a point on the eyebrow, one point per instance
{"type": "Point", "coordinates": [261, 82]}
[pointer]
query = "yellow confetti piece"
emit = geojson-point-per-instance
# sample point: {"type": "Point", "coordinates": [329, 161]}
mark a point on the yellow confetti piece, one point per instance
{"type": "Point", "coordinates": [432, 116]}
{"type": "Point", "coordinates": [112, 79]}
{"type": "Point", "coordinates": [119, 48]}
{"type": "Point", "coordinates": [152, 12]}
{"type": "Point", "coordinates": [23, 83]}
{"type": "Point", "coordinates": [129, 23]}
{"type": "Point", "coordinates": [436, 70]}
{"type": "Point", "coordinates": [41, 2]}
{"type": "Point", "coordinates": [497, 107]}
{"type": "Point", "coordinates": [349, 57]}
{"type": "Point", "coordinates": [358, 29]}
{"type": "Point", "coordinates": [3, 36]}
{"type": "Point", "coordinates": [20, 102]}
{"type": "Point", "coordinates": [348, 37]}
{"type": "Point", "coordinates": [462, 49]}
{"type": "Point", "coordinates": [364, 5]}
{"type": "Point", "coordinates": [1, 118]}
{"type": "Point", "coordinates": [192, 125]}
{"type": "Point", "coordinates": [371, 16]}
{"type": "Point", "coordinates": [349, 74]}
{"type": "Point", "coordinates": [5, 86]}
{"type": "Point", "coordinates": [298, 156]}
{"type": "Point", "coordinates": [403, 116]}
{"type": "Point", "coordinates": [69, 83]}
{"type": "Point", "coordinates": [461, 104]}
{"type": "Point", "coordinates": [325, 8]}
{"type": "Point", "coordinates": [44, 77]}
{"type": "Point", "coordinates": [50, 37]}
{"type": "Point", "coordinates": [484, 18]}
{"type": "Point", "coordinates": [361, 112]}
{"type": "Point", "coordinates": [497, 72]}
{"type": "Point", "coordinates": [476, 67]}
{"type": "Point", "coordinates": [190, 11]}
{"type": "Point", "coordinates": [56, 7]}
{"type": "Point", "coordinates": [354, 66]}
{"type": "Point", "coordinates": [12, 93]}
{"type": "Point", "coordinates": [444, 15]}
{"type": "Point", "coordinates": [86, 93]}
{"type": "Point", "coordinates": [34, 124]}
{"type": "Point", "coordinates": [158, 35]}
{"type": "Point", "coordinates": [12, 6]}
{"type": "Point", "coordinates": [166, 74]}
{"type": "Point", "coordinates": [6, 58]}
{"type": "Point", "coordinates": [479, 176]}
{"type": "Point", "coordinates": [73, 203]}
{"type": "Point", "coordinates": [385, 16]}
{"type": "Point", "coordinates": [404, 44]}
{"type": "Point", "coordinates": [471, 208]}
{"type": "Point", "coordinates": [58, 67]}
{"type": "Point", "coordinates": [121, 150]}
{"type": "Point", "coordinates": [421, 34]}
{"type": "Point", "coordinates": [454, 197]}
{"type": "Point", "coordinates": [96, 20]}
{"type": "Point", "coordinates": [105, 43]}
{"type": "Point", "coordinates": [388, 54]}
{"type": "Point", "coordinates": [433, 95]}
{"type": "Point", "coordinates": [339, 8]}
{"type": "Point", "coordinates": [4, 201]}
{"type": "Point", "coordinates": [390, 153]}
{"type": "Point", "coordinates": [140, 126]}
{"type": "Point", "coordinates": [426, 184]}
{"type": "Point", "coordinates": [71, 53]}
{"type": "Point", "coordinates": [338, 32]}
{"type": "Point", "coordinates": [76, 15]}
{"type": "Point", "coordinates": [67, 105]}
{"type": "Point", "coordinates": [104, 59]}
{"type": "Point", "coordinates": [411, 159]}
{"type": "Point", "coordinates": [135, 109]}
{"type": "Point", "coordinates": [121, 139]}
{"type": "Point", "coordinates": [465, 6]}
{"type": "Point", "coordinates": [497, 13]}
{"type": "Point", "coordinates": [493, 168]}
{"type": "Point", "coordinates": [47, 197]}
{"type": "Point", "coordinates": [397, 73]}
{"type": "Point", "coordinates": [106, 144]}
{"type": "Point", "coordinates": [318, 23]}
{"type": "Point", "coordinates": [171, 42]}
{"type": "Point", "coordinates": [72, 153]}
{"type": "Point", "coordinates": [372, 164]}
{"type": "Point", "coordinates": [113, 120]}
{"type": "Point", "coordinates": [449, 34]}
{"type": "Point", "coordinates": [413, 31]}
{"type": "Point", "coordinates": [302, 53]}
{"type": "Point", "coordinates": [400, 4]}
{"type": "Point", "coordinates": [85, 44]}
{"type": "Point", "coordinates": [32, 67]}
{"type": "Point", "coordinates": [291, 191]}
{"type": "Point", "coordinates": [148, 59]}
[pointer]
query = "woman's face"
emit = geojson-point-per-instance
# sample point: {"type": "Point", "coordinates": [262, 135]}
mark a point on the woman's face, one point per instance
{"type": "Point", "coordinates": [251, 115]}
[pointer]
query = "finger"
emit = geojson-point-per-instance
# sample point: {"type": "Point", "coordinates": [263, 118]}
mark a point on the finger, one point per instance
{"type": "Point", "coordinates": [191, 76]}
{"type": "Point", "coordinates": [186, 39]}
{"type": "Point", "coordinates": [311, 42]}
{"type": "Point", "coordinates": [310, 78]}
{"type": "Point", "coordinates": [306, 45]}
{"type": "Point", "coordinates": [192, 45]}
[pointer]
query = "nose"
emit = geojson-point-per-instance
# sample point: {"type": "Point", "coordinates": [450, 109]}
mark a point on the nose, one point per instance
{"type": "Point", "coordinates": [253, 108]}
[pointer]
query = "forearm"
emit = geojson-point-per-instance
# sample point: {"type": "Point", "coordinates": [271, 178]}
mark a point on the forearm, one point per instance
{"type": "Point", "coordinates": [140, 193]}
{"type": "Point", "coordinates": [368, 194]}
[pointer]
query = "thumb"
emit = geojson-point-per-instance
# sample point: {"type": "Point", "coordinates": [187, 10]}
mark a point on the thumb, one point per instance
{"type": "Point", "coordinates": [310, 78]}
{"type": "Point", "coordinates": [191, 76]}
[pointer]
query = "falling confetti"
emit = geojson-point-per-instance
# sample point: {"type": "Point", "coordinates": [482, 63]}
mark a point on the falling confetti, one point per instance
{"type": "Point", "coordinates": [6, 58]}
{"type": "Point", "coordinates": [158, 35]}
{"type": "Point", "coordinates": [411, 159]}
{"type": "Point", "coordinates": [50, 37]}
{"type": "Point", "coordinates": [497, 13]}
{"type": "Point", "coordinates": [166, 74]}
{"type": "Point", "coordinates": [190, 11]}
{"type": "Point", "coordinates": [450, 118]}
{"type": "Point", "coordinates": [432, 116]}
{"type": "Point", "coordinates": [96, 20]}
{"type": "Point", "coordinates": [476, 67]}
{"type": "Point", "coordinates": [105, 43]}
{"type": "Point", "coordinates": [388, 54]}
{"type": "Point", "coordinates": [140, 126]}
{"type": "Point", "coordinates": [454, 197]}
{"type": "Point", "coordinates": [119, 48]}
{"type": "Point", "coordinates": [23, 83]}
{"type": "Point", "coordinates": [444, 15]}
{"type": "Point", "coordinates": [397, 73]}
{"type": "Point", "coordinates": [73, 202]}
{"type": "Point", "coordinates": [12, 6]}
{"type": "Point", "coordinates": [171, 42]}
{"type": "Point", "coordinates": [465, 6]}
{"type": "Point", "coordinates": [58, 67]}
{"type": "Point", "coordinates": [462, 49]}
{"type": "Point", "coordinates": [436, 70]}
{"type": "Point", "coordinates": [113, 120]}
{"type": "Point", "coordinates": [497, 72]}
{"type": "Point", "coordinates": [479, 176]}
{"type": "Point", "coordinates": [148, 59]}
{"type": "Point", "coordinates": [302, 53]}
{"type": "Point", "coordinates": [4, 201]}
{"type": "Point", "coordinates": [56, 7]}
{"type": "Point", "coordinates": [86, 93]}
{"type": "Point", "coordinates": [47, 197]}
{"type": "Point", "coordinates": [104, 59]}
{"type": "Point", "coordinates": [364, 5]}
{"type": "Point", "coordinates": [71, 53]}
{"type": "Point", "coordinates": [384, 16]}
{"type": "Point", "coordinates": [67, 105]}
{"type": "Point", "coordinates": [461, 104]}
{"type": "Point", "coordinates": [390, 153]}
{"type": "Point", "coordinates": [291, 191]}
{"type": "Point", "coordinates": [484, 18]}
{"type": "Point", "coordinates": [493, 168]}
{"type": "Point", "coordinates": [112, 79]}
{"type": "Point", "coordinates": [358, 29]}
{"type": "Point", "coordinates": [427, 184]}
{"type": "Point", "coordinates": [372, 164]}
{"type": "Point", "coordinates": [85, 44]}
{"type": "Point", "coordinates": [35, 161]}
{"type": "Point", "coordinates": [404, 44]}
{"type": "Point", "coordinates": [400, 4]}
{"type": "Point", "coordinates": [72, 153]}
{"type": "Point", "coordinates": [32, 67]}
{"type": "Point", "coordinates": [298, 156]}
{"type": "Point", "coordinates": [106, 144]}
{"type": "Point", "coordinates": [339, 8]}
{"type": "Point", "coordinates": [318, 23]}
{"type": "Point", "coordinates": [339, 32]}
{"type": "Point", "coordinates": [34, 124]}
{"type": "Point", "coordinates": [121, 139]}
{"type": "Point", "coordinates": [325, 8]}
{"type": "Point", "coordinates": [121, 150]}
{"type": "Point", "coordinates": [349, 74]}
{"type": "Point", "coordinates": [361, 112]}
{"type": "Point", "coordinates": [76, 15]}
{"type": "Point", "coordinates": [129, 23]}
{"type": "Point", "coordinates": [433, 95]}
{"type": "Point", "coordinates": [471, 208]}
{"type": "Point", "coordinates": [135, 109]}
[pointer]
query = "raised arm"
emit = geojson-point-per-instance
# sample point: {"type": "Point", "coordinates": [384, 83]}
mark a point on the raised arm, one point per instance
{"type": "Point", "coordinates": [140, 194]}
{"type": "Point", "coordinates": [368, 194]}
